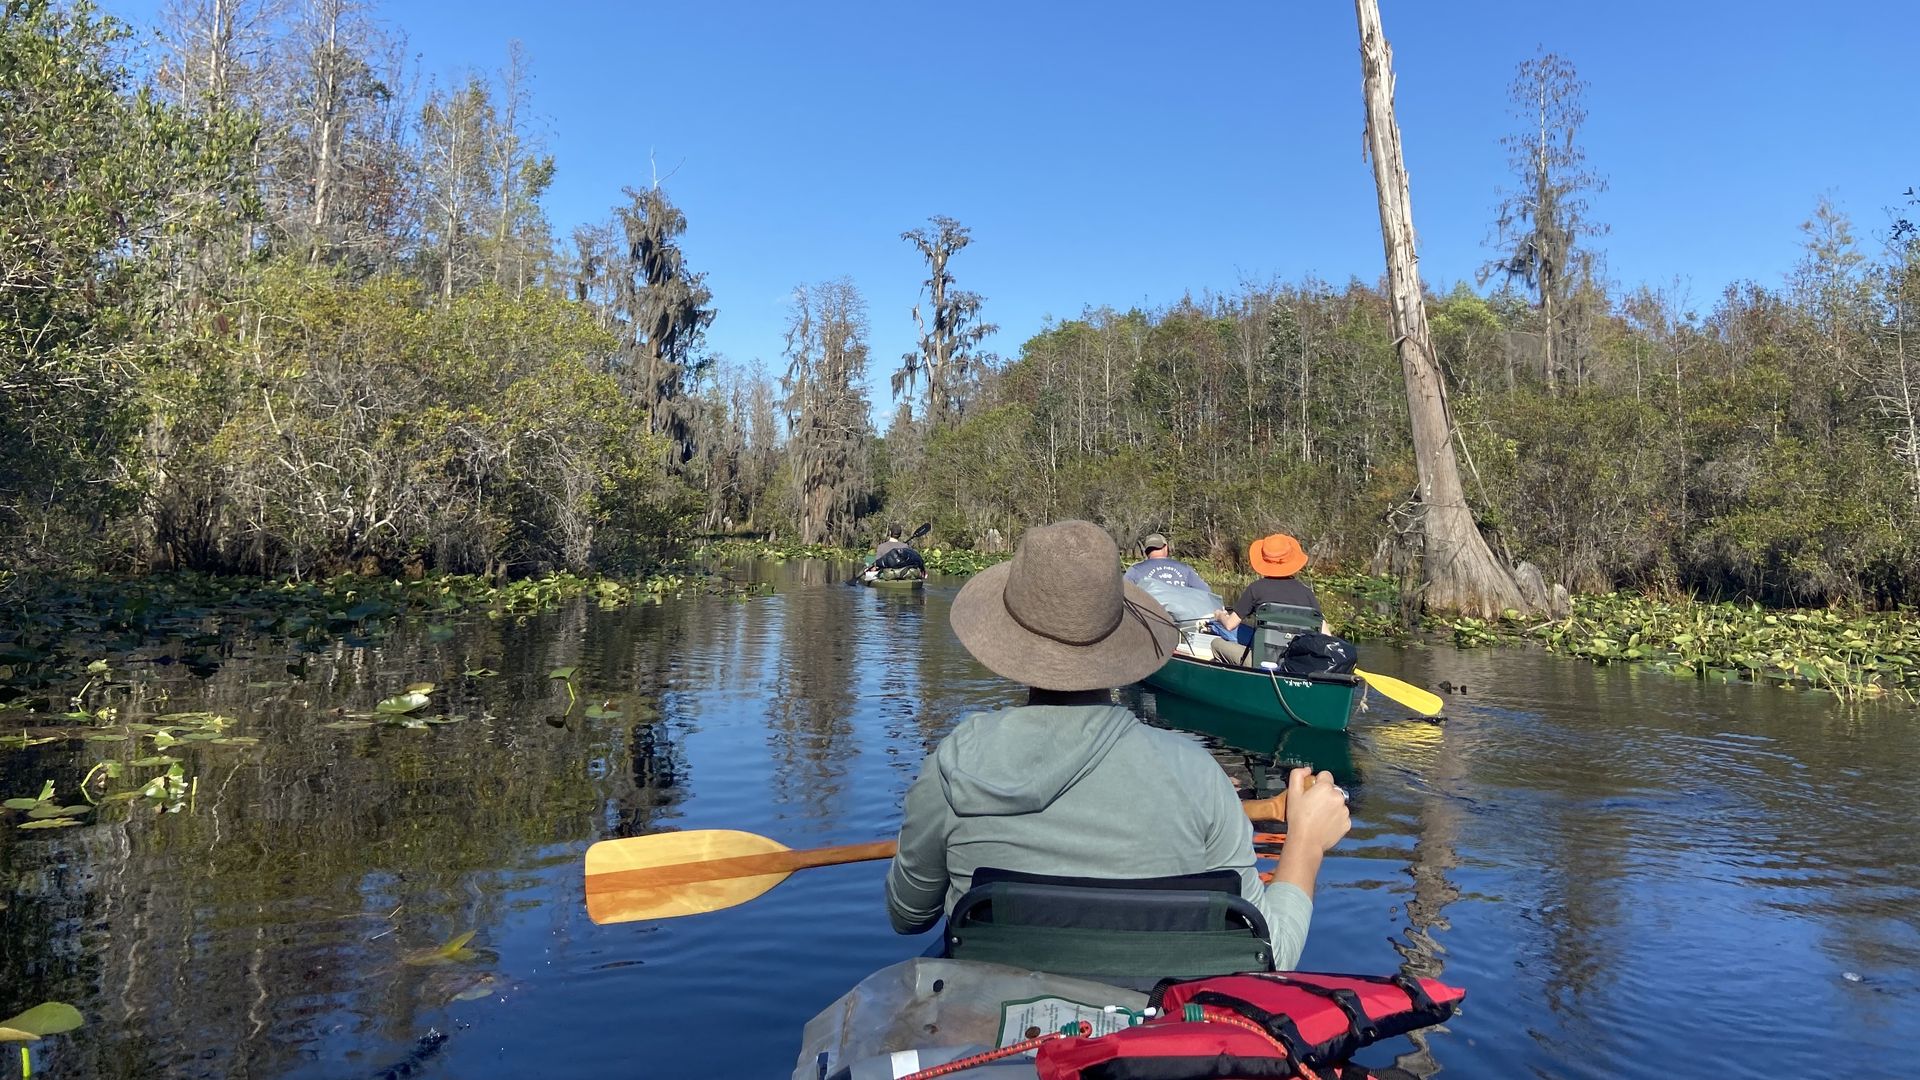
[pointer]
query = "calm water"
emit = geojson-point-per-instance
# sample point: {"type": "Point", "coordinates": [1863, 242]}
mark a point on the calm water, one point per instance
{"type": "Point", "coordinates": [1632, 875]}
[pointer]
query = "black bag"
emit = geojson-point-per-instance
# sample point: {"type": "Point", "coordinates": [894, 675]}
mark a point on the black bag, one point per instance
{"type": "Point", "coordinates": [1316, 654]}
{"type": "Point", "coordinates": [900, 558]}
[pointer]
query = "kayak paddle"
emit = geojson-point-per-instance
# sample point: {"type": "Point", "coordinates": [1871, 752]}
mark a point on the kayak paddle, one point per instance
{"type": "Point", "coordinates": [667, 875]}
{"type": "Point", "coordinates": [1421, 701]}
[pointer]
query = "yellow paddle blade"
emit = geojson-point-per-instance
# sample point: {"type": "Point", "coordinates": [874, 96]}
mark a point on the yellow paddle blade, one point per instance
{"type": "Point", "coordinates": [1424, 702]}
{"type": "Point", "coordinates": [679, 873]}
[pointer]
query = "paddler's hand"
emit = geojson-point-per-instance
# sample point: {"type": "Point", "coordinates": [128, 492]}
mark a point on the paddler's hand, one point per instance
{"type": "Point", "coordinates": [1316, 811]}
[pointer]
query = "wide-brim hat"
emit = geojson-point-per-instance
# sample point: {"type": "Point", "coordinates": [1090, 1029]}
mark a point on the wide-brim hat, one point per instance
{"type": "Point", "coordinates": [1278, 555]}
{"type": "Point", "coordinates": [1059, 616]}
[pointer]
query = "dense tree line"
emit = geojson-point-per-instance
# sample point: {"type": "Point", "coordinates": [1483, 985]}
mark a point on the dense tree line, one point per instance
{"type": "Point", "coordinates": [270, 305]}
{"type": "Point", "coordinates": [269, 310]}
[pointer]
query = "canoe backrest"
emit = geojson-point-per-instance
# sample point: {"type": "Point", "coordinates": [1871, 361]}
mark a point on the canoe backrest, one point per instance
{"type": "Point", "coordinates": [1125, 932]}
{"type": "Point", "coordinates": [1274, 625]}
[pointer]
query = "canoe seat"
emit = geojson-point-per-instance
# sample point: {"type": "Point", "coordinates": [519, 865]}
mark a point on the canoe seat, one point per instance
{"type": "Point", "coordinates": [1127, 932]}
{"type": "Point", "coordinates": [1274, 625]}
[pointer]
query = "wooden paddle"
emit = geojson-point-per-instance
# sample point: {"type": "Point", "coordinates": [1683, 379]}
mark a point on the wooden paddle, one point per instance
{"type": "Point", "coordinates": [917, 534]}
{"type": "Point", "coordinates": [1424, 702]}
{"type": "Point", "coordinates": [667, 875]}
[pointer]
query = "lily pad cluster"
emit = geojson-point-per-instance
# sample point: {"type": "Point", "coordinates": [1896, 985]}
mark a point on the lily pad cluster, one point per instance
{"type": "Point", "coordinates": [45, 812]}
{"type": "Point", "coordinates": [53, 629]}
{"type": "Point", "coordinates": [1850, 654]}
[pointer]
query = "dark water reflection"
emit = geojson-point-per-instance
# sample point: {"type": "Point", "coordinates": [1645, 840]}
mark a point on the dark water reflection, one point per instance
{"type": "Point", "coordinates": [1635, 876]}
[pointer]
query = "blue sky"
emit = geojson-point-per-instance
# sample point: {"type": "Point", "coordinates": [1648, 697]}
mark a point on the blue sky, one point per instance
{"type": "Point", "coordinates": [1125, 153]}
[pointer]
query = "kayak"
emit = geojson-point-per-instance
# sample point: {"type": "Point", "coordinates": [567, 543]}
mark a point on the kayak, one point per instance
{"type": "Point", "coordinates": [932, 1016]}
{"type": "Point", "coordinates": [1322, 700]}
{"type": "Point", "coordinates": [883, 1024]}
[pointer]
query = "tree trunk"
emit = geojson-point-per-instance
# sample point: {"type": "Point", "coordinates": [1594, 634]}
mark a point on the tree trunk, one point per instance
{"type": "Point", "coordinates": [1458, 571]}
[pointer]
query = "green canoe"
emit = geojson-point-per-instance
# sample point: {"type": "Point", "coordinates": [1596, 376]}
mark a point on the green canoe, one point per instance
{"type": "Point", "coordinates": [1318, 701]}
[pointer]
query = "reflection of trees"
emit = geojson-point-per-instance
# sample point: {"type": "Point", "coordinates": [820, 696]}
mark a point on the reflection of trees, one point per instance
{"type": "Point", "coordinates": [261, 931]}
{"type": "Point", "coordinates": [810, 712]}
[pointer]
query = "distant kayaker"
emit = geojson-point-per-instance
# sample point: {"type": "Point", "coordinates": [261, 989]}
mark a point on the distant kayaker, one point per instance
{"type": "Point", "coordinates": [1159, 564]}
{"type": "Point", "coordinates": [1071, 784]}
{"type": "Point", "coordinates": [895, 559]}
{"type": "Point", "coordinates": [1276, 558]}
{"type": "Point", "coordinates": [891, 543]}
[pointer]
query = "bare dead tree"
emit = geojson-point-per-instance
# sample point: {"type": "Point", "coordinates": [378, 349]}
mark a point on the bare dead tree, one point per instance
{"type": "Point", "coordinates": [1458, 571]}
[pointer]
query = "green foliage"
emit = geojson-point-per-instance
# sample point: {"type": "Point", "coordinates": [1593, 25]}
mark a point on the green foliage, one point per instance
{"type": "Point", "coordinates": [102, 190]}
{"type": "Point", "coordinates": [369, 427]}
{"type": "Point", "coordinates": [1851, 654]}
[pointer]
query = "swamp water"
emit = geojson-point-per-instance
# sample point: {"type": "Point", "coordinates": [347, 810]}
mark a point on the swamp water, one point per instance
{"type": "Point", "coordinates": [1633, 875]}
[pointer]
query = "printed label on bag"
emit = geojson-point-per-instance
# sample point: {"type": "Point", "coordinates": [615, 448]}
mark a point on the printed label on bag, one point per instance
{"type": "Point", "coordinates": [1034, 1017]}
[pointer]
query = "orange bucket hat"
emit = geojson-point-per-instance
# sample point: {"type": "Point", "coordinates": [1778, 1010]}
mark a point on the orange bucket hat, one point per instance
{"type": "Point", "coordinates": [1278, 555]}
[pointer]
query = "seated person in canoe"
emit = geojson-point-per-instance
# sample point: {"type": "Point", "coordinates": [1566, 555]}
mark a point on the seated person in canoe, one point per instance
{"type": "Point", "coordinates": [1070, 784]}
{"type": "Point", "coordinates": [1158, 564]}
{"type": "Point", "coordinates": [1276, 558]}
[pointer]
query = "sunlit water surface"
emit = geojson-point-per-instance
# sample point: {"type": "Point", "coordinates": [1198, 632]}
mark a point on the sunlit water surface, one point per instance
{"type": "Point", "coordinates": [1633, 875]}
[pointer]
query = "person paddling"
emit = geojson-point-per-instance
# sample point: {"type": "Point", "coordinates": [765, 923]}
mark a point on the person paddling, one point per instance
{"type": "Point", "coordinates": [1071, 784]}
{"type": "Point", "coordinates": [895, 559]}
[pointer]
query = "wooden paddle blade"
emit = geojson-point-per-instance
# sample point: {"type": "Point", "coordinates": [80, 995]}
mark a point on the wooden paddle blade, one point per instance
{"type": "Point", "coordinates": [687, 873]}
{"type": "Point", "coordinates": [659, 876]}
{"type": "Point", "coordinates": [1424, 702]}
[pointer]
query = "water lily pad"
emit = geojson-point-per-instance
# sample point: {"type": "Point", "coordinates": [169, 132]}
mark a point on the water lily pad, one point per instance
{"type": "Point", "coordinates": [601, 712]}
{"type": "Point", "coordinates": [46, 1018]}
{"type": "Point", "coordinates": [403, 703]}
{"type": "Point", "coordinates": [563, 672]}
{"type": "Point", "coordinates": [157, 759]}
{"type": "Point", "coordinates": [480, 673]}
{"type": "Point", "coordinates": [347, 725]}
{"type": "Point", "coordinates": [421, 688]}
{"type": "Point", "coordinates": [108, 736]}
{"type": "Point", "coordinates": [443, 719]}
{"type": "Point", "coordinates": [199, 736]}
{"type": "Point", "coordinates": [49, 823]}
{"type": "Point", "coordinates": [237, 740]}
{"type": "Point", "coordinates": [20, 804]}
{"type": "Point", "coordinates": [49, 810]}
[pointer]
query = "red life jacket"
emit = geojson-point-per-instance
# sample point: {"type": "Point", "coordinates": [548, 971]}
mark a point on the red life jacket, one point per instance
{"type": "Point", "coordinates": [1267, 1024]}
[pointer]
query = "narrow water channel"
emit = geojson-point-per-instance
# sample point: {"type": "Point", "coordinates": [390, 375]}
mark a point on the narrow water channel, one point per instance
{"type": "Point", "coordinates": [1633, 875]}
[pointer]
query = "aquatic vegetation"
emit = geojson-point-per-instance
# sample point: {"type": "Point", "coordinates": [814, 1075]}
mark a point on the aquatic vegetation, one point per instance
{"type": "Point", "coordinates": [64, 641]}
{"type": "Point", "coordinates": [1851, 654]}
{"type": "Point", "coordinates": [453, 951]}
{"type": "Point", "coordinates": [43, 812]}
{"type": "Point", "coordinates": [46, 1018]}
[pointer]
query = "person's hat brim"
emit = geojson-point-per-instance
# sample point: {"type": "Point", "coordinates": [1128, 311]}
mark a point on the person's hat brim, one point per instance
{"type": "Point", "coordinates": [1136, 648]}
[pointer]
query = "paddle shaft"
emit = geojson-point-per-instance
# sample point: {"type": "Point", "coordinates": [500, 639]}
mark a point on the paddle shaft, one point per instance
{"type": "Point", "coordinates": [786, 862]}
{"type": "Point", "coordinates": [738, 866]}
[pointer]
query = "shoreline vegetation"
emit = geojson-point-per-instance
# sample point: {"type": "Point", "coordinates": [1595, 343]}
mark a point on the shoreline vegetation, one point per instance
{"type": "Point", "coordinates": [1852, 654]}
{"type": "Point", "coordinates": [57, 634]}
{"type": "Point", "coordinates": [245, 342]}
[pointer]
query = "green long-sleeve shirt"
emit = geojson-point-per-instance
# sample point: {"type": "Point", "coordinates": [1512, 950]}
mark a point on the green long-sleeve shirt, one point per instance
{"type": "Point", "coordinates": [1075, 791]}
